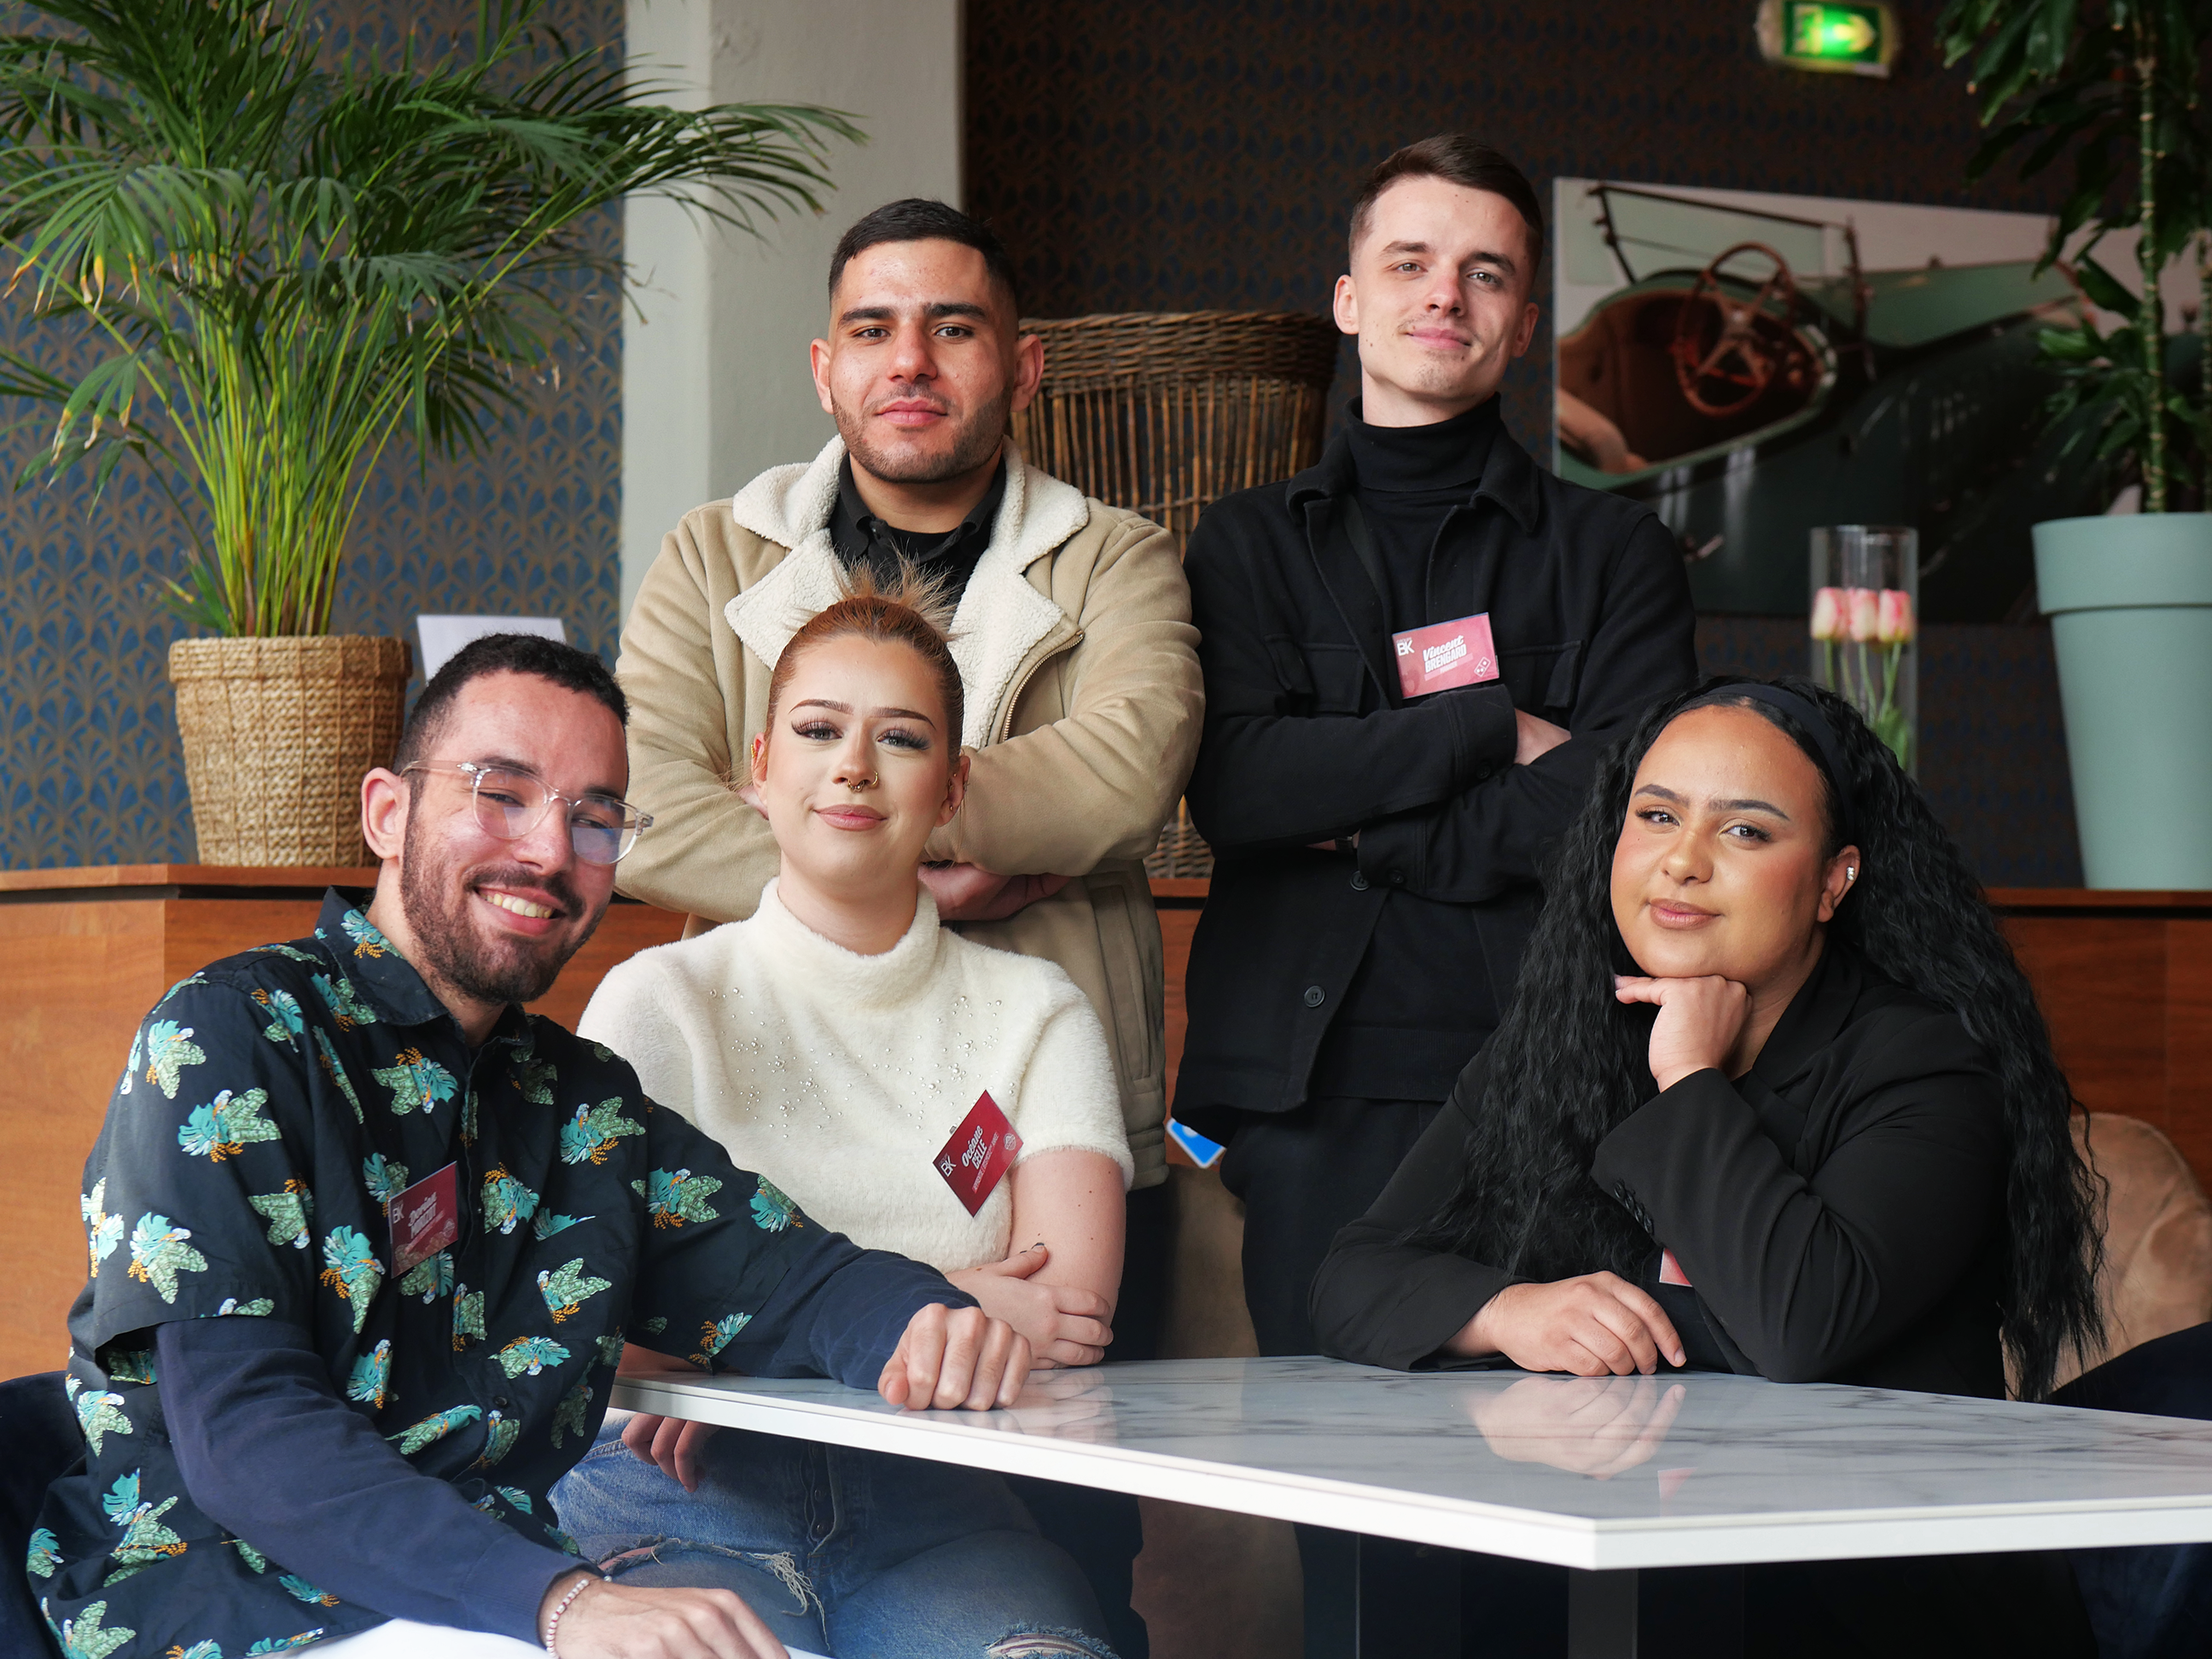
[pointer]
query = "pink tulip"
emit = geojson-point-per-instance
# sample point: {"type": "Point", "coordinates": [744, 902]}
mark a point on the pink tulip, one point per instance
{"type": "Point", "coordinates": [1896, 625]}
{"type": "Point", "coordinates": [1828, 614]}
{"type": "Point", "coordinates": [1863, 612]}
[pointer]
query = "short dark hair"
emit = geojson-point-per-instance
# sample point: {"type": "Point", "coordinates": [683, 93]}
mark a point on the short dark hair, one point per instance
{"type": "Point", "coordinates": [564, 666]}
{"type": "Point", "coordinates": [918, 219]}
{"type": "Point", "coordinates": [1459, 160]}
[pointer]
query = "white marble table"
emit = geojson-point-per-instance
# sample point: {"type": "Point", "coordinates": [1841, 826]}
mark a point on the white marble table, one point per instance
{"type": "Point", "coordinates": [1704, 1470]}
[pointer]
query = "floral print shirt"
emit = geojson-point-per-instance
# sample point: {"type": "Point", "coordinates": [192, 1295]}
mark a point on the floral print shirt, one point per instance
{"type": "Point", "coordinates": [271, 1104]}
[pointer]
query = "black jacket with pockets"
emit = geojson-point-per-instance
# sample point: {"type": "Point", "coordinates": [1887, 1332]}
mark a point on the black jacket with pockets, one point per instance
{"type": "Point", "coordinates": [1307, 737]}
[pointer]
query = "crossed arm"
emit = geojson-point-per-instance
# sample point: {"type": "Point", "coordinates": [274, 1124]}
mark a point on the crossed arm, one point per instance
{"type": "Point", "coordinates": [1452, 797]}
{"type": "Point", "coordinates": [1049, 1304]}
{"type": "Point", "coordinates": [1059, 1286]}
{"type": "Point", "coordinates": [1093, 785]}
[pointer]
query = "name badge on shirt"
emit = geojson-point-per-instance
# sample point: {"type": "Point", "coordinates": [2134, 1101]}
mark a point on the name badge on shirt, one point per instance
{"type": "Point", "coordinates": [978, 1156]}
{"type": "Point", "coordinates": [1448, 654]}
{"type": "Point", "coordinates": [424, 1219]}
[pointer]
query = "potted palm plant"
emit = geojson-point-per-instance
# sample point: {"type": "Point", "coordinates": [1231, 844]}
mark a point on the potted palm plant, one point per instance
{"type": "Point", "coordinates": [2114, 85]}
{"type": "Point", "coordinates": [287, 260]}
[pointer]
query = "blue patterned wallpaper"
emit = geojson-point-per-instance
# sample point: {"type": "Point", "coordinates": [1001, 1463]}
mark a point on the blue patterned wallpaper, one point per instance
{"type": "Point", "coordinates": [90, 770]}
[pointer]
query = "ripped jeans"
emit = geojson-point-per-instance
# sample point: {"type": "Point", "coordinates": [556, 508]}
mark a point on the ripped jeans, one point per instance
{"type": "Point", "coordinates": [855, 1554]}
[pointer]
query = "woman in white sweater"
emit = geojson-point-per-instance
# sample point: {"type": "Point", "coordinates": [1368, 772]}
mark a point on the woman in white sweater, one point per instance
{"type": "Point", "coordinates": [835, 1040]}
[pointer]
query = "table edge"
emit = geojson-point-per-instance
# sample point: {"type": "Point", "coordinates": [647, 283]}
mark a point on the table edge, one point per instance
{"type": "Point", "coordinates": [1427, 1518]}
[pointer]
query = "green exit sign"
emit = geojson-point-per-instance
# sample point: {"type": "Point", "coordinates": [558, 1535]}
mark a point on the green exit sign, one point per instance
{"type": "Point", "coordinates": [1811, 34]}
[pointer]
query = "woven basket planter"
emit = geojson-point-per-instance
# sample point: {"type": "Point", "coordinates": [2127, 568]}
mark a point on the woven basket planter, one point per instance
{"type": "Point", "coordinates": [1166, 412]}
{"type": "Point", "coordinates": [1181, 852]}
{"type": "Point", "coordinates": [276, 734]}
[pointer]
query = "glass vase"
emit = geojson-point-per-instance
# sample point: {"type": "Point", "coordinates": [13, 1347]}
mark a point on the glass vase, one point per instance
{"type": "Point", "coordinates": [1866, 628]}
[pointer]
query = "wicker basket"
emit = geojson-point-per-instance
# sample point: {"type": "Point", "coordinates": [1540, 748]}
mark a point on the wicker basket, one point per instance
{"type": "Point", "coordinates": [1181, 852]}
{"type": "Point", "coordinates": [276, 734]}
{"type": "Point", "coordinates": [1164, 413]}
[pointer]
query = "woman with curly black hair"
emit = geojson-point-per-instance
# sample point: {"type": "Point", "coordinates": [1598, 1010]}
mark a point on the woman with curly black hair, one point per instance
{"type": "Point", "coordinates": [1772, 1096]}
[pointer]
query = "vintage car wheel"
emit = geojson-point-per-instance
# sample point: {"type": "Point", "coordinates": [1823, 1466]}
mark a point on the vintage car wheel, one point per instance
{"type": "Point", "coordinates": [1723, 371]}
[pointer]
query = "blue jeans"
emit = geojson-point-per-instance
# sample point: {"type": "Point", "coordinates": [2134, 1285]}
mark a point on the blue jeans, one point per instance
{"type": "Point", "coordinates": [856, 1554]}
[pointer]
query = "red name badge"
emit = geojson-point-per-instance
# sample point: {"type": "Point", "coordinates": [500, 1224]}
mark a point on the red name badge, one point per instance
{"type": "Point", "coordinates": [1450, 653]}
{"type": "Point", "coordinates": [978, 1154]}
{"type": "Point", "coordinates": [424, 1219]}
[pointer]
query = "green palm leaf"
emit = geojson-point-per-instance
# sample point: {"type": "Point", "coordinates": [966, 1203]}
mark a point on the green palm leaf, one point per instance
{"type": "Point", "coordinates": [287, 265]}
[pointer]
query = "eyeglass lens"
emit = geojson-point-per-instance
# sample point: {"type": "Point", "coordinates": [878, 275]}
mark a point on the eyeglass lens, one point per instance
{"type": "Point", "coordinates": [510, 805]}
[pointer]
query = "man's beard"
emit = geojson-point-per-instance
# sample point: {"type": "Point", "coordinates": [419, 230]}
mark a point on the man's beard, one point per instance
{"type": "Point", "coordinates": [435, 899]}
{"type": "Point", "coordinates": [975, 440]}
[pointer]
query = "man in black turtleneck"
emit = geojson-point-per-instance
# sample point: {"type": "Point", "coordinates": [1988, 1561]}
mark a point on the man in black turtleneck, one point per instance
{"type": "Point", "coordinates": [1377, 856]}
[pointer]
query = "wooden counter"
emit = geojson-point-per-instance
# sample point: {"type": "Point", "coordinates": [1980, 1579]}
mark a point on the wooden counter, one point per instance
{"type": "Point", "coordinates": [2125, 978]}
{"type": "Point", "coordinates": [84, 955]}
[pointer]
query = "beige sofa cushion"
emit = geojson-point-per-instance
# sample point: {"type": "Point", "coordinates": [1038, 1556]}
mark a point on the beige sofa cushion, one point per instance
{"type": "Point", "coordinates": [2157, 1235]}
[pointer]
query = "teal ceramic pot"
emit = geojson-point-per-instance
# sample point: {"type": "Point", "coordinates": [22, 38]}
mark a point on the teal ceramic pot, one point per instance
{"type": "Point", "coordinates": [2129, 599]}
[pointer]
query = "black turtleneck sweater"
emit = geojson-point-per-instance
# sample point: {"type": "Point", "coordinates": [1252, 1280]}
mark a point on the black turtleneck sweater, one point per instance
{"type": "Point", "coordinates": [1421, 1001]}
{"type": "Point", "coordinates": [1410, 479]}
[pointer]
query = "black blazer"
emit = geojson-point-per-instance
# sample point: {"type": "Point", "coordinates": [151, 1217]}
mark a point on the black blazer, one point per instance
{"type": "Point", "coordinates": [1306, 738]}
{"type": "Point", "coordinates": [1838, 1210]}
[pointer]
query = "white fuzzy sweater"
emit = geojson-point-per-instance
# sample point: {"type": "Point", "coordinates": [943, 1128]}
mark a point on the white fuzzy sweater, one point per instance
{"type": "Point", "coordinates": [839, 1076]}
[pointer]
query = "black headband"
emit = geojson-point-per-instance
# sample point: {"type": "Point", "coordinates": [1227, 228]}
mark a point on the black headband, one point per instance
{"type": "Point", "coordinates": [1810, 719]}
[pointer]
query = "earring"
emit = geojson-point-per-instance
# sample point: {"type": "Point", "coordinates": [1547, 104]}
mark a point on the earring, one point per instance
{"type": "Point", "coordinates": [1850, 872]}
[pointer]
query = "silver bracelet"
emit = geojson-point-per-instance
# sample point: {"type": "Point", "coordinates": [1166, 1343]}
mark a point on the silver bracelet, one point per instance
{"type": "Point", "coordinates": [553, 1618]}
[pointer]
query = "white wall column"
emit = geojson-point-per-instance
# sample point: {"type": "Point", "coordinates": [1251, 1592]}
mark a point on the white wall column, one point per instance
{"type": "Point", "coordinates": [714, 381]}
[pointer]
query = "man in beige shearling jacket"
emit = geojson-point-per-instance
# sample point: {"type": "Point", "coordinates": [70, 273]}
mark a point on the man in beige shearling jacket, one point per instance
{"type": "Point", "coordinates": [1073, 635]}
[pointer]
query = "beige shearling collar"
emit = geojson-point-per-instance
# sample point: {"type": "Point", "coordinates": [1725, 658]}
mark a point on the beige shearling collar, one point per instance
{"type": "Point", "coordinates": [1001, 617]}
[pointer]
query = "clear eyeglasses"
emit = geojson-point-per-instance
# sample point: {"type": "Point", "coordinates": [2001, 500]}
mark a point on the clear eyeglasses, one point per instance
{"type": "Point", "coordinates": [510, 803]}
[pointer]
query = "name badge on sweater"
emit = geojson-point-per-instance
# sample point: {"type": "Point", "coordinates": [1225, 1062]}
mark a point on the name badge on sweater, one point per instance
{"type": "Point", "coordinates": [978, 1156]}
{"type": "Point", "coordinates": [424, 1219]}
{"type": "Point", "coordinates": [1448, 654]}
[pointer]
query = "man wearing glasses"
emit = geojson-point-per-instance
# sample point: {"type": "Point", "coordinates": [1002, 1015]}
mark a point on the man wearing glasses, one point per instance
{"type": "Point", "coordinates": [366, 1241]}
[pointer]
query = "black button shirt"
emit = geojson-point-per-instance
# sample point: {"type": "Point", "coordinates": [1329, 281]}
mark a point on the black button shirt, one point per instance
{"type": "Point", "coordinates": [951, 556]}
{"type": "Point", "coordinates": [270, 1105]}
